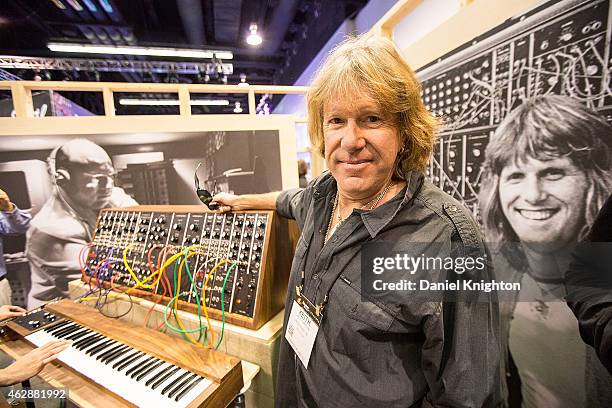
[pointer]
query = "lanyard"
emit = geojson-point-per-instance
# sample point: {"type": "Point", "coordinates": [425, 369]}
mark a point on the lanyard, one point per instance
{"type": "Point", "coordinates": [315, 310]}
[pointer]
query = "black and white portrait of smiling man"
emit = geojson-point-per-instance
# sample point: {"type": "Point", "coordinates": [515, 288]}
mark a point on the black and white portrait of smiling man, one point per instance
{"type": "Point", "coordinates": [547, 173]}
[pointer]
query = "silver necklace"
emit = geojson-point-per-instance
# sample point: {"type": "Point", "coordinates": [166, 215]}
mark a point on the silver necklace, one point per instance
{"type": "Point", "coordinates": [374, 202]}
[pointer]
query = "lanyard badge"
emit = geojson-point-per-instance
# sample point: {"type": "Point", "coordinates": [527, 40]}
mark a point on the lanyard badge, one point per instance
{"type": "Point", "coordinates": [303, 324]}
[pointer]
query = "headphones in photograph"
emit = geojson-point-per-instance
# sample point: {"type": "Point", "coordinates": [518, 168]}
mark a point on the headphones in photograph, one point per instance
{"type": "Point", "coordinates": [204, 195]}
{"type": "Point", "coordinates": [55, 173]}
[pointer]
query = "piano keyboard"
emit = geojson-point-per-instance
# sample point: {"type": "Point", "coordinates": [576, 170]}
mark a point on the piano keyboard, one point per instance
{"type": "Point", "coordinates": [138, 377]}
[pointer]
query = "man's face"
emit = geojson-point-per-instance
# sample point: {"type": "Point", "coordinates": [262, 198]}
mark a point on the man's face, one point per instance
{"type": "Point", "coordinates": [361, 144]}
{"type": "Point", "coordinates": [90, 185]}
{"type": "Point", "coordinates": [544, 201]}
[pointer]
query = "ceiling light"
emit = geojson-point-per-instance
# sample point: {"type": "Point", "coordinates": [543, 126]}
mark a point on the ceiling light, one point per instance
{"type": "Point", "coordinates": [237, 108]}
{"type": "Point", "coordinates": [172, 102]}
{"type": "Point", "coordinates": [59, 4]}
{"type": "Point", "coordinates": [75, 5]}
{"type": "Point", "coordinates": [92, 7]}
{"type": "Point", "coordinates": [106, 6]}
{"type": "Point", "coordinates": [148, 51]}
{"type": "Point", "coordinates": [253, 38]}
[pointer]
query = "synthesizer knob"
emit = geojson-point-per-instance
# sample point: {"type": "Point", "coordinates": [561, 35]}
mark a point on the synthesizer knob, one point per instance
{"type": "Point", "coordinates": [162, 234]}
{"type": "Point", "coordinates": [258, 235]}
{"type": "Point", "coordinates": [249, 223]}
{"type": "Point", "coordinates": [260, 223]}
{"type": "Point", "coordinates": [193, 227]}
{"type": "Point", "coordinates": [174, 238]}
{"type": "Point", "coordinates": [34, 323]}
{"type": "Point", "coordinates": [194, 240]}
{"type": "Point", "coordinates": [177, 227]}
{"type": "Point", "coordinates": [247, 234]}
{"type": "Point", "coordinates": [156, 237]}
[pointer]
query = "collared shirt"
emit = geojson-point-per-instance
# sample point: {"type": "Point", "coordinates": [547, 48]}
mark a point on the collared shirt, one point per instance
{"type": "Point", "coordinates": [11, 222]}
{"type": "Point", "coordinates": [54, 242]}
{"type": "Point", "coordinates": [413, 353]}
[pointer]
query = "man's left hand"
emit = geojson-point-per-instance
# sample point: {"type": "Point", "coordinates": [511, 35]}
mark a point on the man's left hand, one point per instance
{"type": "Point", "coordinates": [8, 311]}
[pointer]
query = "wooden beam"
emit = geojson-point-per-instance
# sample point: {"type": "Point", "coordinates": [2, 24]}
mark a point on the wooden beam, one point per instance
{"type": "Point", "coordinates": [109, 102]}
{"type": "Point", "coordinates": [252, 106]}
{"type": "Point", "coordinates": [22, 100]}
{"type": "Point", "coordinates": [387, 23]}
{"type": "Point", "coordinates": [139, 87]}
{"type": "Point", "coordinates": [184, 101]}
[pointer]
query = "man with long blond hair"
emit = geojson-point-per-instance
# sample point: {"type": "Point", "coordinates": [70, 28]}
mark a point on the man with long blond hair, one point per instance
{"type": "Point", "coordinates": [345, 347]}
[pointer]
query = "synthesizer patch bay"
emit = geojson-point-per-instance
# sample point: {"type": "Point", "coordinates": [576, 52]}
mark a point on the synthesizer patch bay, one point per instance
{"type": "Point", "coordinates": [238, 263]}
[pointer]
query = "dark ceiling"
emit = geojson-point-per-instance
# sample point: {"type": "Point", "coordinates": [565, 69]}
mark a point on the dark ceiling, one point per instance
{"type": "Point", "coordinates": [293, 31]}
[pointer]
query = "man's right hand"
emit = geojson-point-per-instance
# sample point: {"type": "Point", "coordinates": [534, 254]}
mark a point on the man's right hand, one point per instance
{"type": "Point", "coordinates": [29, 365]}
{"type": "Point", "coordinates": [5, 202]}
{"type": "Point", "coordinates": [226, 201]}
{"type": "Point", "coordinates": [231, 202]}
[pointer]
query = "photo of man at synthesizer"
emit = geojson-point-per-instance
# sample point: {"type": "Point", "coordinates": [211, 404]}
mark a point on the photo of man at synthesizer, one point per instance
{"type": "Point", "coordinates": [367, 119]}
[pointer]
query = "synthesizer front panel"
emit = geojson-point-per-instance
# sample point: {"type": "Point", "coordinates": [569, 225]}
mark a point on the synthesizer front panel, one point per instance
{"type": "Point", "coordinates": [241, 259]}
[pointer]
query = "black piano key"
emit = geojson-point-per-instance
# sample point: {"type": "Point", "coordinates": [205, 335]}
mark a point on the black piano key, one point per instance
{"type": "Point", "coordinates": [57, 326]}
{"type": "Point", "coordinates": [149, 370]}
{"type": "Point", "coordinates": [115, 354]}
{"type": "Point", "coordinates": [157, 376]}
{"type": "Point", "coordinates": [164, 377]}
{"type": "Point", "coordinates": [130, 361]}
{"type": "Point", "coordinates": [99, 347]}
{"type": "Point", "coordinates": [144, 367]}
{"type": "Point", "coordinates": [103, 349]}
{"type": "Point", "coordinates": [94, 343]}
{"type": "Point", "coordinates": [174, 381]}
{"type": "Point", "coordinates": [80, 334]}
{"type": "Point", "coordinates": [81, 344]}
{"type": "Point", "coordinates": [64, 328]}
{"type": "Point", "coordinates": [188, 388]}
{"type": "Point", "coordinates": [110, 352]}
{"type": "Point", "coordinates": [139, 364]}
{"type": "Point", "coordinates": [181, 384]}
{"type": "Point", "coordinates": [125, 358]}
{"type": "Point", "coordinates": [64, 332]}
